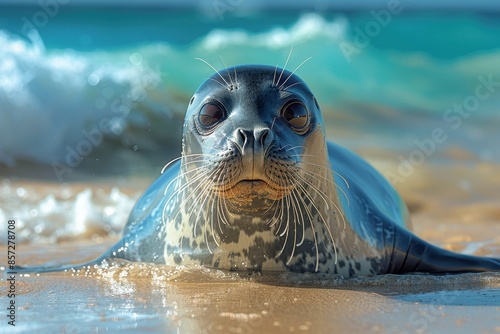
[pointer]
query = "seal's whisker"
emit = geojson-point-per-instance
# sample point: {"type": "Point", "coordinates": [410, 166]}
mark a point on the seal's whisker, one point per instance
{"type": "Point", "coordinates": [201, 200]}
{"type": "Point", "coordinates": [291, 85]}
{"type": "Point", "coordinates": [193, 192]}
{"type": "Point", "coordinates": [286, 227]}
{"type": "Point", "coordinates": [227, 210]}
{"type": "Point", "coordinates": [274, 77]}
{"type": "Point", "coordinates": [283, 221]}
{"type": "Point", "coordinates": [289, 147]}
{"type": "Point", "coordinates": [309, 215]}
{"type": "Point", "coordinates": [177, 178]}
{"type": "Point", "coordinates": [326, 199]}
{"type": "Point", "coordinates": [180, 176]}
{"type": "Point", "coordinates": [299, 218]}
{"type": "Point", "coordinates": [228, 73]}
{"type": "Point", "coordinates": [294, 147]}
{"type": "Point", "coordinates": [325, 224]}
{"type": "Point", "coordinates": [183, 175]}
{"type": "Point", "coordinates": [301, 155]}
{"type": "Point", "coordinates": [183, 158]}
{"type": "Point", "coordinates": [206, 62]}
{"type": "Point", "coordinates": [275, 219]}
{"type": "Point", "coordinates": [294, 205]}
{"type": "Point", "coordinates": [200, 176]}
{"type": "Point", "coordinates": [316, 176]}
{"type": "Point", "coordinates": [272, 124]}
{"type": "Point", "coordinates": [334, 172]}
{"type": "Point", "coordinates": [168, 164]}
{"type": "Point", "coordinates": [177, 190]}
{"type": "Point", "coordinates": [295, 212]}
{"type": "Point", "coordinates": [220, 83]}
{"type": "Point", "coordinates": [222, 205]}
{"type": "Point", "coordinates": [212, 219]}
{"type": "Point", "coordinates": [272, 221]}
{"type": "Point", "coordinates": [295, 70]}
{"type": "Point", "coordinates": [191, 155]}
{"type": "Point", "coordinates": [342, 177]}
{"type": "Point", "coordinates": [286, 63]}
{"type": "Point", "coordinates": [206, 241]}
{"type": "Point", "coordinates": [293, 180]}
{"type": "Point", "coordinates": [221, 213]}
{"type": "Point", "coordinates": [165, 205]}
{"type": "Point", "coordinates": [197, 206]}
{"type": "Point", "coordinates": [231, 205]}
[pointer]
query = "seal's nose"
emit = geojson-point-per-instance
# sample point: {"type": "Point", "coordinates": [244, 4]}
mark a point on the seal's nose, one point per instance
{"type": "Point", "coordinates": [254, 141]}
{"type": "Point", "coordinates": [253, 144]}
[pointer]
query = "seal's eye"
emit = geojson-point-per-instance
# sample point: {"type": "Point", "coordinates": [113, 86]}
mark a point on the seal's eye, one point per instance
{"type": "Point", "coordinates": [210, 114]}
{"type": "Point", "coordinates": [297, 116]}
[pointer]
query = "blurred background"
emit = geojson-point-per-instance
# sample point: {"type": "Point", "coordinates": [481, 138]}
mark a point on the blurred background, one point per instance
{"type": "Point", "coordinates": [100, 87]}
{"type": "Point", "coordinates": [95, 91]}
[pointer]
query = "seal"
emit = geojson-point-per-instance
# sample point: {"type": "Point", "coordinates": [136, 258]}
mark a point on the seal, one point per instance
{"type": "Point", "coordinates": [259, 188]}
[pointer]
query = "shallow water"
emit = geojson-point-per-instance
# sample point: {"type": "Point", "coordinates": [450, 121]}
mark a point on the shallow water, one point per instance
{"type": "Point", "coordinates": [381, 103]}
{"type": "Point", "coordinates": [196, 300]}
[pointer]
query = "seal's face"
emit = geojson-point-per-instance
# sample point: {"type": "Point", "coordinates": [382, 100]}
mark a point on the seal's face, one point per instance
{"type": "Point", "coordinates": [246, 131]}
{"type": "Point", "coordinates": [255, 190]}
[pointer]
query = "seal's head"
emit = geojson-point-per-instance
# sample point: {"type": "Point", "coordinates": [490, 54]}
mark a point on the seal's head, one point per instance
{"type": "Point", "coordinates": [251, 130]}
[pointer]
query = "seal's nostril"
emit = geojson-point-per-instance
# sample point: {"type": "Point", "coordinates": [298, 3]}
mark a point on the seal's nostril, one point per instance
{"type": "Point", "coordinates": [242, 136]}
{"type": "Point", "coordinates": [262, 136]}
{"type": "Point", "coordinates": [253, 139]}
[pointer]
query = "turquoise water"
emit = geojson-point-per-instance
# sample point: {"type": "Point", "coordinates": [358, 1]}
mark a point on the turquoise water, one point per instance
{"type": "Point", "coordinates": [395, 78]}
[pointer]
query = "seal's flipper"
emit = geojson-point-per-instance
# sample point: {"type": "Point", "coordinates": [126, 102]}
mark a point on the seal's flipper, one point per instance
{"type": "Point", "coordinates": [411, 254]}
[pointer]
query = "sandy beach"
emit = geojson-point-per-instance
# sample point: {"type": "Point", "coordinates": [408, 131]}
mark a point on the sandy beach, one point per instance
{"type": "Point", "coordinates": [159, 299]}
{"type": "Point", "coordinates": [184, 300]}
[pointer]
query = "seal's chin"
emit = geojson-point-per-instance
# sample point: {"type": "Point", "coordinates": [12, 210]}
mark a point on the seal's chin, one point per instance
{"type": "Point", "coordinates": [253, 195]}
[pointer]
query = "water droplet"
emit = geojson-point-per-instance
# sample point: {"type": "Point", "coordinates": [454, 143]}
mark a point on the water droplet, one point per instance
{"type": "Point", "coordinates": [136, 58]}
{"type": "Point", "coordinates": [93, 79]}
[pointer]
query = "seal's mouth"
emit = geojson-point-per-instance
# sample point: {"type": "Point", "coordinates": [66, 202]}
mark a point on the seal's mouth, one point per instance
{"type": "Point", "coordinates": [248, 190]}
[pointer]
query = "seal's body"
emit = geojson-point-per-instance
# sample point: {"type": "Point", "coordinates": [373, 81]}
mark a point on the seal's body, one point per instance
{"type": "Point", "coordinates": [258, 188]}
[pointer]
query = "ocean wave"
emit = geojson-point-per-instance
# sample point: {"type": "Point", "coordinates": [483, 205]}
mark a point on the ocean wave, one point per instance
{"type": "Point", "coordinates": [63, 213]}
{"type": "Point", "coordinates": [308, 27]}
{"type": "Point", "coordinates": [56, 101]}
{"type": "Point", "coordinates": [68, 102]}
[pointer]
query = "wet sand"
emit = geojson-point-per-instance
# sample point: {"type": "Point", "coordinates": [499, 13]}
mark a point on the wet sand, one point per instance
{"type": "Point", "coordinates": [159, 299]}
{"type": "Point", "coordinates": [453, 206]}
